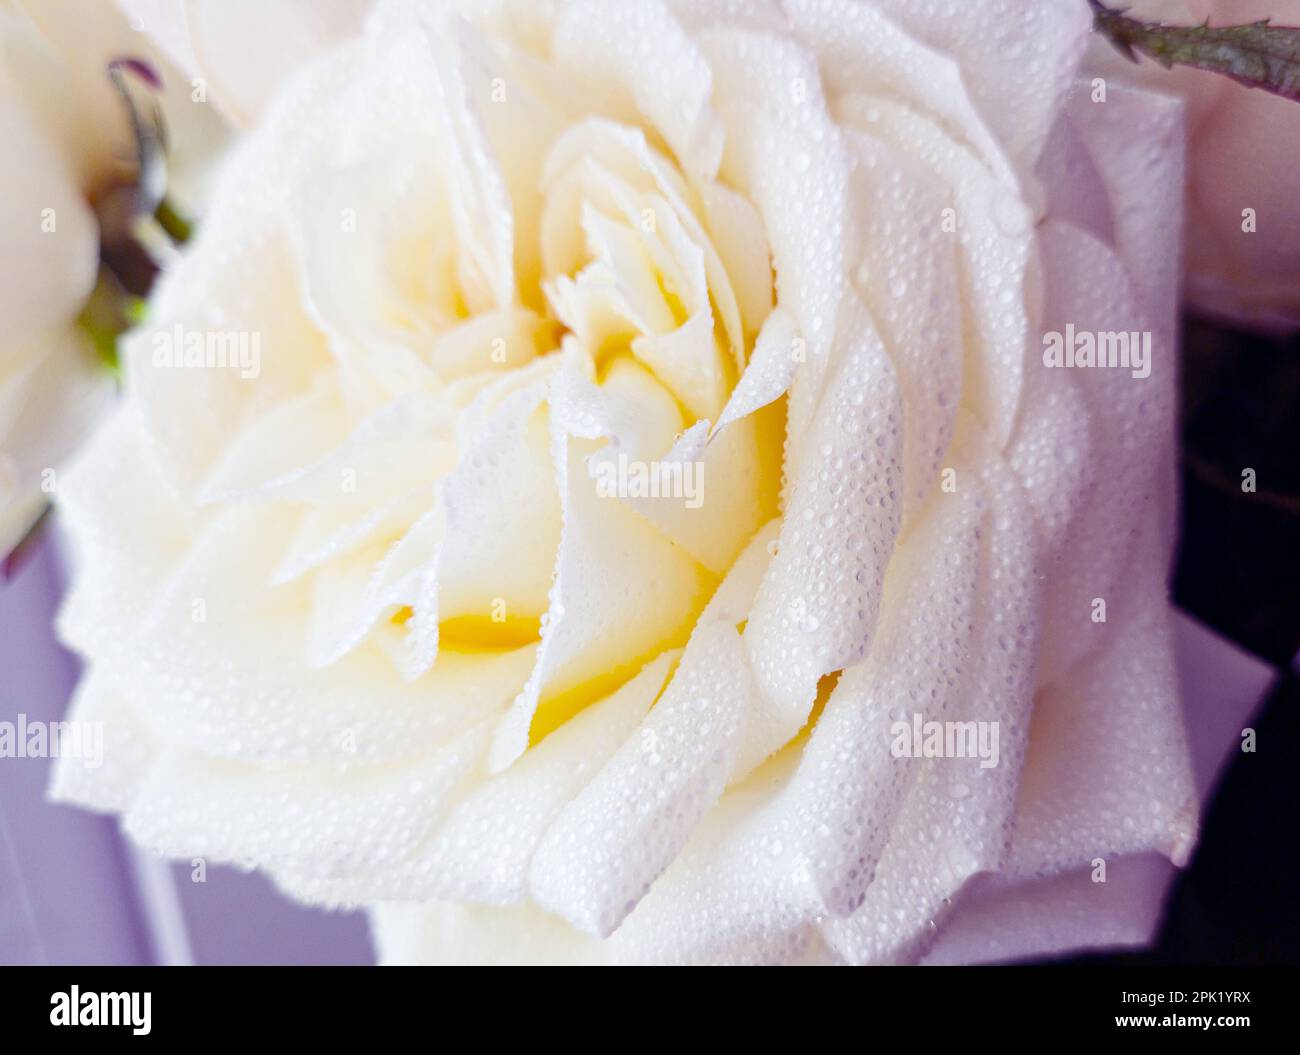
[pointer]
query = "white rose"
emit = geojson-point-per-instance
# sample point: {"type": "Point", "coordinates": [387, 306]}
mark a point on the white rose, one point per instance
{"type": "Point", "coordinates": [358, 610]}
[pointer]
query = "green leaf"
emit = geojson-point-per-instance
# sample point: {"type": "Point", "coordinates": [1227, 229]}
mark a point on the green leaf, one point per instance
{"type": "Point", "coordinates": [178, 229]}
{"type": "Point", "coordinates": [109, 312]}
{"type": "Point", "coordinates": [1258, 54]}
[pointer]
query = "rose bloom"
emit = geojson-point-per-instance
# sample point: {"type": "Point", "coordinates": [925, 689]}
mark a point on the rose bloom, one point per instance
{"type": "Point", "coordinates": [362, 611]}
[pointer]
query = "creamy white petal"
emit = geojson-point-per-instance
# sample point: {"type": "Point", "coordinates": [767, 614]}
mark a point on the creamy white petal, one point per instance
{"type": "Point", "coordinates": [607, 846]}
{"type": "Point", "coordinates": [816, 608]}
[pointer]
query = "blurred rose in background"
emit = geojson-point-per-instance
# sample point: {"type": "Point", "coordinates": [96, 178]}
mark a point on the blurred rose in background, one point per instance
{"type": "Point", "coordinates": [1244, 148]}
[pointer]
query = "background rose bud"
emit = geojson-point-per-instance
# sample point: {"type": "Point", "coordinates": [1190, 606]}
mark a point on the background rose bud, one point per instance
{"type": "Point", "coordinates": [58, 153]}
{"type": "Point", "coordinates": [1244, 154]}
{"type": "Point", "coordinates": [241, 49]}
{"type": "Point", "coordinates": [69, 186]}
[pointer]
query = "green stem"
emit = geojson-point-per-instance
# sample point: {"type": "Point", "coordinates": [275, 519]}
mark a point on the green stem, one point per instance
{"type": "Point", "coordinates": [1258, 54]}
{"type": "Point", "coordinates": [176, 226]}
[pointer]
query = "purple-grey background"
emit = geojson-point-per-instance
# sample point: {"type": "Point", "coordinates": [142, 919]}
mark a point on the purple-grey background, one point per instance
{"type": "Point", "coordinates": [73, 890]}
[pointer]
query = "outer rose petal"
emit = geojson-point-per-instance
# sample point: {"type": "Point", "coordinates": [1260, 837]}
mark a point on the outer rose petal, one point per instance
{"type": "Point", "coordinates": [1017, 55]}
{"type": "Point", "coordinates": [1221, 686]}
